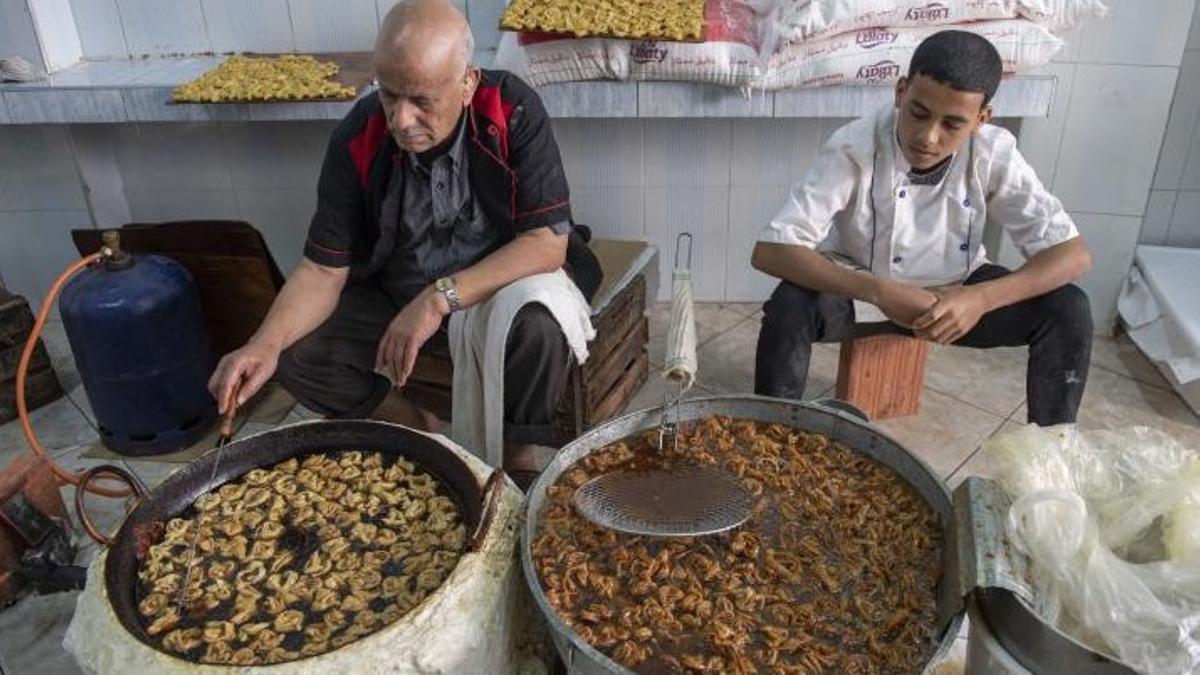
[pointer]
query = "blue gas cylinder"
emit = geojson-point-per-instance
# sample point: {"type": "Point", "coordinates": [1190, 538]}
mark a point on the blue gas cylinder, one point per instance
{"type": "Point", "coordinates": [142, 351]}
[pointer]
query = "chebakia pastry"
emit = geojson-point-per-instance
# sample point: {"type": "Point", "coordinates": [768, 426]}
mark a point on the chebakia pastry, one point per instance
{"type": "Point", "coordinates": [298, 559]}
{"type": "Point", "coordinates": [681, 20]}
{"type": "Point", "coordinates": [265, 78]}
{"type": "Point", "coordinates": [836, 571]}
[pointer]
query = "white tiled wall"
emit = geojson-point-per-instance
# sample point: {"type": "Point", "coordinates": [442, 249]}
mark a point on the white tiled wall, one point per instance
{"type": "Point", "coordinates": [41, 200]}
{"type": "Point", "coordinates": [98, 23]}
{"type": "Point", "coordinates": [17, 34]}
{"type": "Point", "coordinates": [1112, 239]}
{"type": "Point", "coordinates": [750, 207]}
{"type": "Point", "coordinates": [1111, 138]}
{"type": "Point", "coordinates": [124, 28]}
{"type": "Point", "coordinates": [261, 26]}
{"type": "Point", "coordinates": [485, 21]}
{"type": "Point", "coordinates": [1099, 148]}
{"type": "Point", "coordinates": [96, 158]}
{"type": "Point", "coordinates": [333, 25]}
{"type": "Point", "coordinates": [38, 169]}
{"type": "Point", "coordinates": [1137, 33]}
{"type": "Point", "coordinates": [721, 180]}
{"type": "Point", "coordinates": [163, 27]}
{"type": "Point", "coordinates": [1173, 213]}
{"type": "Point", "coordinates": [37, 247]}
{"type": "Point", "coordinates": [55, 24]}
{"type": "Point", "coordinates": [265, 174]}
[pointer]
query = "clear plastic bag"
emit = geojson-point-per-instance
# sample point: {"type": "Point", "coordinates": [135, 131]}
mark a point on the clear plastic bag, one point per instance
{"type": "Point", "coordinates": [1111, 522]}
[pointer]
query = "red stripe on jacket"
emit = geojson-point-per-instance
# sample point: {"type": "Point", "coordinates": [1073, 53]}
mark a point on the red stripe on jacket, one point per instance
{"type": "Point", "coordinates": [364, 146]}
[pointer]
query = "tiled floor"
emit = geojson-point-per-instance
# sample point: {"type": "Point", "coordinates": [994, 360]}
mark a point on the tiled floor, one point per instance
{"type": "Point", "coordinates": [970, 396]}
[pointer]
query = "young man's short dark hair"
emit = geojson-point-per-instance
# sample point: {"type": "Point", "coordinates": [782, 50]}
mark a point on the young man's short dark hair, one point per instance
{"type": "Point", "coordinates": [960, 60]}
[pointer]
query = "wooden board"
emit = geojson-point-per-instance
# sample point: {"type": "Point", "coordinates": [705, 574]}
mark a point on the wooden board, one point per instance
{"type": "Point", "coordinates": [600, 379]}
{"type": "Point", "coordinates": [614, 324]}
{"type": "Point", "coordinates": [10, 358]}
{"type": "Point", "coordinates": [617, 259]}
{"type": "Point", "coordinates": [354, 70]}
{"type": "Point", "coordinates": [16, 319]}
{"type": "Point", "coordinates": [626, 388]}
{"type": "Point", "coordinates": [41, 384]}
{"type": "Point", "coordinates": [41, 387]}
{"type": "Point", "coordinates": [883, 375]}
{"type": "Point", "coordinates": [236, 277]}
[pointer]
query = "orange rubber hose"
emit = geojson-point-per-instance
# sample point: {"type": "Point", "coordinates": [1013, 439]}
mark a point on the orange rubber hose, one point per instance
{"type": "Point", "coordinates": [64, 475]}
{"type": "Point", "coordinates": [85, 485]}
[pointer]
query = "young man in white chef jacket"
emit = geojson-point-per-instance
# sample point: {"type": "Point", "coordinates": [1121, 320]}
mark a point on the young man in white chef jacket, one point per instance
{"type": "Point", "coordinates": [884, 235]}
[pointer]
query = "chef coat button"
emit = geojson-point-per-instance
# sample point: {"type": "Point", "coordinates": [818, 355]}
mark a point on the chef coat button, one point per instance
{"type": "Point", "coordinates": [967, 202]}
{"type": "Point", "coordinates": [963, 247]}
{"type": "Point", "coordinates": [897, 260]}
{"type": "Point", "coordinates": [903, 194]}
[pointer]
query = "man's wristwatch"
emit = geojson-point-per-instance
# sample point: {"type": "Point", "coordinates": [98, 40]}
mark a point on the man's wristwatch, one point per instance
{"type": "Point", "coordinates": [450, 291]}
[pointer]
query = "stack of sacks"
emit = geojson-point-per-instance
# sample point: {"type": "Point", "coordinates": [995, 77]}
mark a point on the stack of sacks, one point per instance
{"type": "Point", "coordinates": [728, 56]}
{"type": "Point", "coordinates": [545, 58]}
{"type": "Point", "coordinates": [870, 42]}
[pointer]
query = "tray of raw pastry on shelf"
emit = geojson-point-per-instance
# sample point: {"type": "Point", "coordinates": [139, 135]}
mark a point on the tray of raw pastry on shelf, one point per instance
{"type": "Point", "coordinates": [671, 20]}
{"type": "Point", "coordinates": [279, 78]}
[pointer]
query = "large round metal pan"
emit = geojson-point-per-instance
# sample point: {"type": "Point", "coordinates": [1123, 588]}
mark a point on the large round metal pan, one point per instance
{"type": "Point", "coordinates": [839, 425]}
{"type": "Point", "coordinates": [177, 493]}
{"type": "Point", "coordinates": [1036, 644]}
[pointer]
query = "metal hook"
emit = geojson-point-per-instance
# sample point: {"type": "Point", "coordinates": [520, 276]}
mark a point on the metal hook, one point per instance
{"type": "Point", "coordinates": [678, 418]}
{"type": "Point", "coordinates": [678, 243]}
{"type": "Point", "coordinates": [668, 430]}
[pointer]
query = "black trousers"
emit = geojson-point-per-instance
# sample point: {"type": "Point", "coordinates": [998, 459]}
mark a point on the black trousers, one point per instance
{"type": "Point", "coordinates": [1056, 326]}
{"type": "Point", "coordinates": [332, 369]}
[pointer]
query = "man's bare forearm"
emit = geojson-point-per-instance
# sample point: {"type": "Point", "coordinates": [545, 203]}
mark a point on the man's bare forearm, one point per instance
{"type": "Point", "coordinates": [533, 252]}
{"type": "Point", "coordinates": [1047, 270]}
{"type": "Point", "coordinates": [305, 302]}
{"type": "Point", "coordinates": [806, 268]}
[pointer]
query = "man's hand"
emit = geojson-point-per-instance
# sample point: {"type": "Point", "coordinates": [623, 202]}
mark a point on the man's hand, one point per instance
{"type": "Point", "coordinates": [405, 335]}
{"type": "Point", "coordinates": [252, 365]}
{"type": "Point", "coordinates": [903, 303]}
{"type": "Point", "coordinates": [957, 311]}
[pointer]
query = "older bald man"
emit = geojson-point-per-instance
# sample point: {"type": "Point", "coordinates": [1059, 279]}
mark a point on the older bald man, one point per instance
{"type": "Point", "coordinates": [435, 193]}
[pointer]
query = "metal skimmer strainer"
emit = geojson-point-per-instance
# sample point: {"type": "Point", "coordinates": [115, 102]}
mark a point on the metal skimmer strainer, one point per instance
{"type": "Point", "coordinates": [683, 502]}
{"type": "Point", "coordinates": [686, 501]}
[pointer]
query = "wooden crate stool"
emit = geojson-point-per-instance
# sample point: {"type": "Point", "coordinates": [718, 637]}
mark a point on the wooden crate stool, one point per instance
{"type": "Point", "coordinates": [41, 384]}
{"type": "Point", "coordinates": [617, 364]}
{"type": "Point", "coordinates": [883, 374]}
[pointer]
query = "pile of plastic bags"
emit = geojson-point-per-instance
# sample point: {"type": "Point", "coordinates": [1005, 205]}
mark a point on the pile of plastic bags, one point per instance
{"type": "Point", "coordinates": [1111, 522]}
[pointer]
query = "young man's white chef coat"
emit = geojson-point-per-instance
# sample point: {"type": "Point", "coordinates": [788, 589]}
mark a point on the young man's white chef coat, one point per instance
{"type": "Point", "coordinates": [859, 190]}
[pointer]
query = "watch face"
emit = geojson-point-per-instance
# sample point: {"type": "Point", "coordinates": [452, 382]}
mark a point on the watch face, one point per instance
{"type": "Point", "coordinates": [445, 286]}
